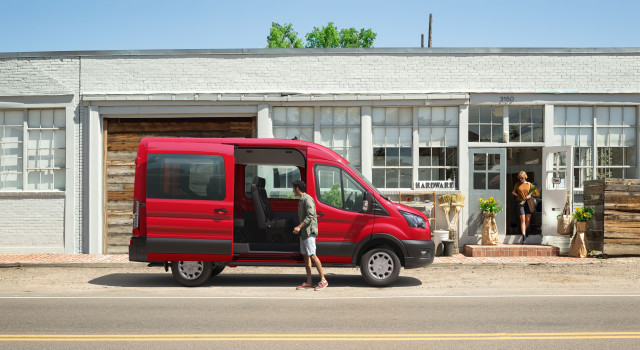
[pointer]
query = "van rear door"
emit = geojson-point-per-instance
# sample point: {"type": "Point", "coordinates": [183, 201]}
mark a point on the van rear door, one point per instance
{"type": "Point", "coordinates": [189, 201]}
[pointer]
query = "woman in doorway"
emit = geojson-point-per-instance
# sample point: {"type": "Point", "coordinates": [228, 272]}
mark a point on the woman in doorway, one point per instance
{"type": "Point", "coordinates": [522, 192]}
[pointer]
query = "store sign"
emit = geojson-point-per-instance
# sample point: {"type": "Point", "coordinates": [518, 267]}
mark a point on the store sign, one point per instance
{"type": "Point", "coordinates": [435, 184]}
{"type": "Point", "coordinates": [556, 180]}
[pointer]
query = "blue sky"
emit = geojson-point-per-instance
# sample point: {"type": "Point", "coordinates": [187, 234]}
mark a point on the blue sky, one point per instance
{"type": "Point", "coordinates": [63, 25]}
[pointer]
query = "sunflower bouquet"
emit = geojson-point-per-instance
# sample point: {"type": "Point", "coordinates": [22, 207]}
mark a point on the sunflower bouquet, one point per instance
{"type": "Point", "coordinates": [583, 214]}
{"type": "Point", "coordinates": [533, 192]}
{"type": "Point", "coordinates": [490, 205]}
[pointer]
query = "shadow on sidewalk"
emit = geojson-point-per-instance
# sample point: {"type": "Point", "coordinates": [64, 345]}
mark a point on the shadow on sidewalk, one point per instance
{"type": "Point", "coordinates": [136, 280]}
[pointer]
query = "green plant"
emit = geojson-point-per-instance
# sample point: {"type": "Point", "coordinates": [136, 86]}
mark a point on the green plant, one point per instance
{"type": "Point", "coordinates": [333, 197]}
{"type": "Point", "coordinates": [282, 37]}
{"type": "Point", "coordinates": [490, 206]}
{"type": "Point", "coordinates": [583, 214]}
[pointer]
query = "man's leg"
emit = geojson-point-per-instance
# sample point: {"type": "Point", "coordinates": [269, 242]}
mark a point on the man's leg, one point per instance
{"type": "Point", "coordinates": [307, 266]}
{"type": "Point", "coordinates": [318, 266]}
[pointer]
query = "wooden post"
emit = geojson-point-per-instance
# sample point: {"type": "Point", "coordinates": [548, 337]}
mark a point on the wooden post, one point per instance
{"type": "Point", "coordinates": [430, 23]}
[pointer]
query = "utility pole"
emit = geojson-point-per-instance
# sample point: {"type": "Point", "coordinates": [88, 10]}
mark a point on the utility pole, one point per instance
{"type": "Point", "coordinates": [421, 40]}
{"type": "Point", "coordinates": [430, 23]}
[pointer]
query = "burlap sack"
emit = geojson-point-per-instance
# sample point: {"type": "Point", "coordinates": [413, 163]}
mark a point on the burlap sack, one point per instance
{"type": "Point", "coordinates": [565, 225]}
{"type": "Point", "coordinates": [489, 229]}
{"type": "Point", "coordinates": [578, 248]}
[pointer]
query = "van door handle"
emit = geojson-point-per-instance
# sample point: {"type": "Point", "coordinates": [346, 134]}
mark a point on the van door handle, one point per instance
{"type": "Point", "coordinates": [320, 213]}
{"type": "Point", "coordinates": [221, 210]}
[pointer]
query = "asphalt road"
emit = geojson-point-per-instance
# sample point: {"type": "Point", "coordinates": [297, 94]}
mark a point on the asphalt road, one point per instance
{"type": "Point", "coordinates": [97, 308]}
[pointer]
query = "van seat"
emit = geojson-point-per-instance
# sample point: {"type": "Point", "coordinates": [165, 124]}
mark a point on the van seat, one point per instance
{"type": "Point", "coordinates": [264, 213]}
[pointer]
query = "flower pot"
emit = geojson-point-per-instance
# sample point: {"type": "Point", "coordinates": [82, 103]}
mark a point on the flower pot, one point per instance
{"type": "Point", "coordinates": [489, 229]}
{"type": "Point", "coordinates": [581, 226]}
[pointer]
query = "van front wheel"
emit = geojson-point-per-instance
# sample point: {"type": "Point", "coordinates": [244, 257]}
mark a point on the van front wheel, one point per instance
{"type": "Point", "coordinates": [380, 267]}
{"type": "Point", "coordinates": [191, 273]}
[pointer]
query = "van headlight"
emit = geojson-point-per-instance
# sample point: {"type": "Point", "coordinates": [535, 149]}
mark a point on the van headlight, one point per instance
{"type": "Point", "coordinates": [414, 220]}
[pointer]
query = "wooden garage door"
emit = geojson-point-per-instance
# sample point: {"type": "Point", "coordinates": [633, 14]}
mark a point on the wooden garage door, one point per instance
{"type": "Point", "coordinates": [122, 139]}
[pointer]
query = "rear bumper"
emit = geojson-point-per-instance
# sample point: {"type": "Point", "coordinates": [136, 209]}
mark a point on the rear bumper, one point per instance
{"type": "Point", "coordinates": [419, 253]}
{"type": "Point", "coordinates": [138, 249]}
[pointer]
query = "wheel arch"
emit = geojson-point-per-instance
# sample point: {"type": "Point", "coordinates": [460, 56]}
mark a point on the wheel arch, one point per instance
{"type": "Point", "coordinates": [379, 240]}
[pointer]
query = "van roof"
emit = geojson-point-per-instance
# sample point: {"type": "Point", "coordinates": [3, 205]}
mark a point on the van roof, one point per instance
{"type": "Point", "coordinates": [310, 149]}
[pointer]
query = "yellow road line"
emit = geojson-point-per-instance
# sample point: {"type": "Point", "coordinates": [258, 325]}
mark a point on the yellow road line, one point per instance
{"type": "Point", "coordinates": [314, 337]}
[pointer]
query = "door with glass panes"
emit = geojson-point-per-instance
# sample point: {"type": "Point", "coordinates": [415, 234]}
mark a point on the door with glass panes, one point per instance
{"type": "Point", "coordinates": [488, 179]}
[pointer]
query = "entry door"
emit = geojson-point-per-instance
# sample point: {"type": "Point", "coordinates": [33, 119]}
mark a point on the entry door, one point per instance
{"type": "Point", "coordinates": [190, 201]}
{"type": "Point", "coordinates": [557, 170]}
{"type": "Point", "coordinates": [488, 179]}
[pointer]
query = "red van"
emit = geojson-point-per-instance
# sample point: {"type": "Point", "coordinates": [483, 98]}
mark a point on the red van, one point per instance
{"type": "Point", "coordinates": [203, 204]}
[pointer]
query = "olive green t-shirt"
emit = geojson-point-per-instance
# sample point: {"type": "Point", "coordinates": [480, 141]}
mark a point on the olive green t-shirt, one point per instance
{"type": "Point", "coordinates": [307, 214]}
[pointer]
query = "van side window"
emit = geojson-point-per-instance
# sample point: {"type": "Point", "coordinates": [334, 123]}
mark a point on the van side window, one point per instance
{"type": "Point", "coordinates": [278, 179]}
{"type": "Point", "coordinates": [185, 176]}
{"type": "Point", "coordinates": [338, 189]}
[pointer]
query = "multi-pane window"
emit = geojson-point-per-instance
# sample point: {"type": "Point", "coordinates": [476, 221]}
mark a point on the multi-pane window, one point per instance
{"type": "Point", "coordinates": [525, 124]}
{"type": "Point", "coordinates": [340, 131]}
{"type": "Point", "coordinates": [392, 147]}
{"type": "Point", "coordinates": [438, 141]}
{"type": "Point", "coordinates": [614, 147]}
{"type": "Point", "coordinates": [278, 179]}
{"type": "Point", "coordinates": [574, 126]}
{"type": "Point", "coordinates": [44, 143]}
{"type": "Point", "coordinates": [485, 123]}
{"type": "Point", "coordinates": [616, 142]}
{"type": "Point", "coordinates": [293, 122]}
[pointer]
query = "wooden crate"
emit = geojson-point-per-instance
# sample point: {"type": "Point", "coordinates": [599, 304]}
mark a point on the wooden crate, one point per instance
{"type": "Point", "coordinates": [616, 227]}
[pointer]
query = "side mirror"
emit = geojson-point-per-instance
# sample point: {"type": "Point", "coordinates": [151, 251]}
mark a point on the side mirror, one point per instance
{"type": "Point", "coordinates": [367, 203]}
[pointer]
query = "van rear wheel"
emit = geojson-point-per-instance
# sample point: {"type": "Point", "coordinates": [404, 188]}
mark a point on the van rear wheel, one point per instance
{"type": "Point", "coordinates": [191, 273]}
{"type": "Point", "coordinates": [380, 267]}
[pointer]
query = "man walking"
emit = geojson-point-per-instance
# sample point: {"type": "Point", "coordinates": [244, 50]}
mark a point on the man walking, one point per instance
{"type": "Point", "coordinates": [308, 231]}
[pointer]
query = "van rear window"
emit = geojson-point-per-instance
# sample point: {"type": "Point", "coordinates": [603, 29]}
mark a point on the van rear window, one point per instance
{"type": "Point", "coordinates": [185, 176]}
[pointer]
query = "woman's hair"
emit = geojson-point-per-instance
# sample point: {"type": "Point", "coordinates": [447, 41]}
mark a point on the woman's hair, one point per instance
{"type": "Point", "coordinates": [522, 174]}
{"type": "Point", "coordinates": [299, 184]}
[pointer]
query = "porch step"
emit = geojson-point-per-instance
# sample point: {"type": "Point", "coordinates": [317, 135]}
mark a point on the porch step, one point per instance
{"type": "Point", "coordinates": [510, 250]}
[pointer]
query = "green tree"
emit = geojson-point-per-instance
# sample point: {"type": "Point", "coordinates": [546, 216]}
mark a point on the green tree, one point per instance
{"type": "Point", "coordinates": [283, 37]}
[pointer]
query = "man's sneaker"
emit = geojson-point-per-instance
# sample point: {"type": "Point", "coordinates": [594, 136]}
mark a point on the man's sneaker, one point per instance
{"type": "Point", "coordinates": [305, 285]}
{"type": "Point", "coordinates": [322, 285]}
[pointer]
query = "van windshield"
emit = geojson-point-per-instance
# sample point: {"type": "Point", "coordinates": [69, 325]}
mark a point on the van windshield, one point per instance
{"type": "Point", "coordinates": [365, 180]}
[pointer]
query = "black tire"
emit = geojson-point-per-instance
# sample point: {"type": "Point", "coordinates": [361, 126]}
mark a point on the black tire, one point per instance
{"type": "Point", "coordinates": [216, 270]}
{"type": "Point", "coordinates": [191, 273]}
{"type": "Point", "coordinates": [380, 267]}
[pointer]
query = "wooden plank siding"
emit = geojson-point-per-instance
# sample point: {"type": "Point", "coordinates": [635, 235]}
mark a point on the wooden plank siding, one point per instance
{"type": "Point", "coordinates": [616, 227]}
{"type": "Point", "coordinates": [122, 139]}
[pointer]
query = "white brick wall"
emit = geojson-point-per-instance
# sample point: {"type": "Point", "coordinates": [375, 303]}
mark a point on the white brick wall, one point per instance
{"type": "Point", "coordinates": [381, 71]}
{"type": "Point", "coordinates": [32, 225]}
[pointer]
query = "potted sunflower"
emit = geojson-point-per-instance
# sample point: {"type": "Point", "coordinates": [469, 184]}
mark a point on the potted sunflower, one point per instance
{"type": "Point", "coordinates": [579, 243]}
{"type": "Point", "coordinates": [490, 207]}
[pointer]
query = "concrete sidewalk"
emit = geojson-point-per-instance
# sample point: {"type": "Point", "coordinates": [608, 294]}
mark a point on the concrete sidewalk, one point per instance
{"type": "Point", "coordinates": [122, 260]}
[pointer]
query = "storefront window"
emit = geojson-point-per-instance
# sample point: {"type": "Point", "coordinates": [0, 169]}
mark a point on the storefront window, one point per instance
{"type": "Point", "coordinates": [45, 148]}
{"type": "Point", "coordinates": [614, 147]}
{"type": "Point", "coordinates": [525, 124]}
{"type": "Point", "coordinates": [340, 131]}
{"type": "Point", "coordinates": [485, 123]}
{"type": "Point", "coordinates": [438, 141]}
{"type": "Point", "coordinates": [293, 122]}
{"type": "Point", "coordinates": [392, 147]}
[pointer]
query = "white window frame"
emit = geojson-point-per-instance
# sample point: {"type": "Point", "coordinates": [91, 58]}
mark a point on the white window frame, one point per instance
{"type": "Point", "coordinates": [56, 171]}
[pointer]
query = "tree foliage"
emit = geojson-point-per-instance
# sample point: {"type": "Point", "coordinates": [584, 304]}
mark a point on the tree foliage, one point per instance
{"type": "Point", "coordinates": [283, 37]}
{"type": "Point", "coordinates": [328, 36]}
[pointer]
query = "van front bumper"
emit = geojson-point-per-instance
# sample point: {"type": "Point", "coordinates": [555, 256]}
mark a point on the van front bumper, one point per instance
{"type": "Point", "coordinates": [419, 253]}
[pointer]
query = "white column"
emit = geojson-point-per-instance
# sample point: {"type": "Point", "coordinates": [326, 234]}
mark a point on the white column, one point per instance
{"type": "Point", "coordinates": [463, 172]}
{"type": "Point", "coordinates": [317, 137]}
{"type": "Point", "coordinates": [366, 142]}
{"type": "Point", "coordinates": [549, 113]}
{"type": "Point", "coordinates": [70, 183]}
{"type": "Point", "coordinates": [415, 147]}
{"type": "Point", "coordinates": [94, 143]}
{"type": "Point", "coordinates": [637, 143]}
{"type": "Point", "coordinates": [265, 122]}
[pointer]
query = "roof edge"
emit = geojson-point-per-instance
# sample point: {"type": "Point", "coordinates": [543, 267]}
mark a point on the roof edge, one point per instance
{"type": "Point", "coordinates": [332, 51]}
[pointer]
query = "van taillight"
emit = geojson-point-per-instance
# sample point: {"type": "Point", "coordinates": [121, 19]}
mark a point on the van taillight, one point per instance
{"type": "Point", "coordinates": [136, 215]}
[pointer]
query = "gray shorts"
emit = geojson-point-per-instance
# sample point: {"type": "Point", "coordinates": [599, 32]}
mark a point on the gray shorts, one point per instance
{"type": "Point", "coordinates": [308, 246]}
